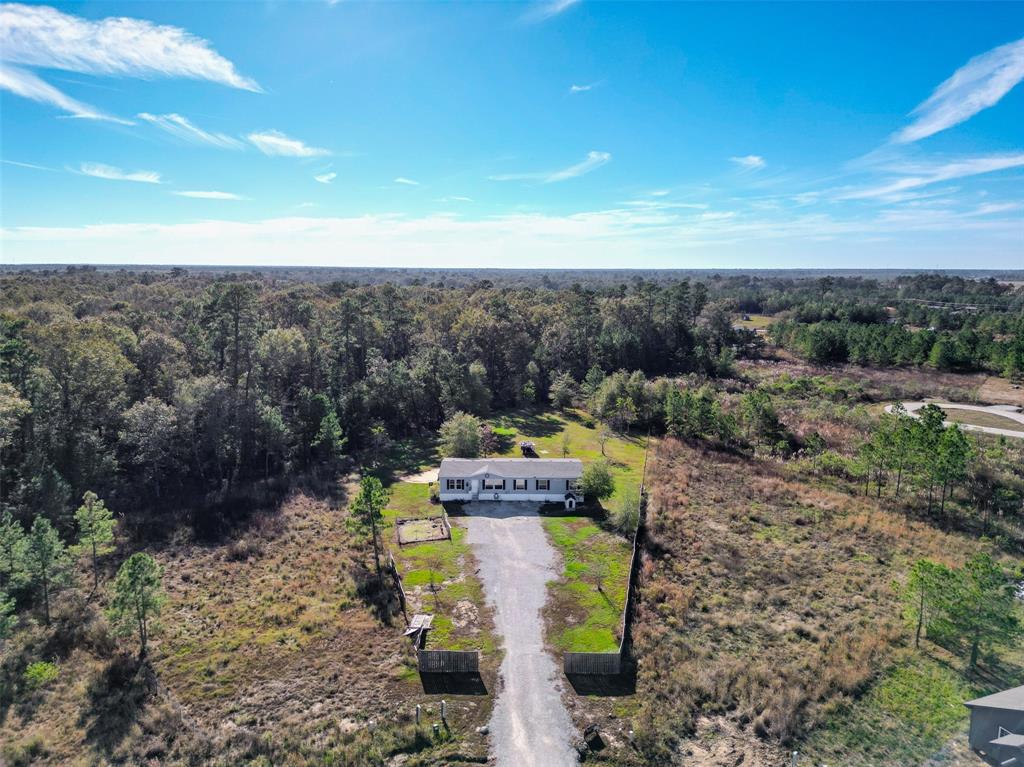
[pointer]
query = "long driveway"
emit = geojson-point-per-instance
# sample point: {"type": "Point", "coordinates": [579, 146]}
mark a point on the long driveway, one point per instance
{"type": "Point", "coordinates": [530, 725]}
{"type": "Point", "coordinates": [1011, 412]}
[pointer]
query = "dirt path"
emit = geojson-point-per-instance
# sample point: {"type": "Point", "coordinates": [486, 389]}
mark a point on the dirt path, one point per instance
{"type": "Point", "coordinates": [1009, 412]}
{"type": "Point", "coordinates": [530, 725]}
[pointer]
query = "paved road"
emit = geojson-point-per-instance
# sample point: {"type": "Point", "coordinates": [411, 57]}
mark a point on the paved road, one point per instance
{"type": "Point", "coordinates": [530, 725]}
{"type": "Point", "coordinates": [1006, 411]}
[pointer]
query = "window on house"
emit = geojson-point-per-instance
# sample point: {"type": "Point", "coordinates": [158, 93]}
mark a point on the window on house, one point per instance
{"type": "Point", "coordinates": [543, 484]}
{"type": "Point", "coordinates": [456, 484]}
{"type": "Point", "coordinates": [494, 484]}
{"type": "Point", "coordinates": [573, 485]}
{"type": "Point", "coordinates": [518, 484]}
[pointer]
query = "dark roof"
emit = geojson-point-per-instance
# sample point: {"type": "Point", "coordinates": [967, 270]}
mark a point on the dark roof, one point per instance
{"type": "Point", "coordinates": [511, 468]}
{"type": "Point", "coordinates": [1012, 699]}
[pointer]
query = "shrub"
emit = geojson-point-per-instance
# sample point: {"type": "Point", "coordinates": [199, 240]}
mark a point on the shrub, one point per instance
{"type": "Point", "coordinates": [460, 436]}
{"type": "Point", "coordinates": [40, 673]}
{"type": "Point", "coordinates": [597, 481]}
{"type": "Point", "coordinates": [626, 514]}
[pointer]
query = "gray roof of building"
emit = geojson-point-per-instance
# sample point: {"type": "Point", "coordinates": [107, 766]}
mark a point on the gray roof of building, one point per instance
{"type": "Point", "coordinates": [511, 468]}
{"type": "Point", "coordinates": [1012, 699]}
{"type": "Point", "coordinates": [1009, 740]}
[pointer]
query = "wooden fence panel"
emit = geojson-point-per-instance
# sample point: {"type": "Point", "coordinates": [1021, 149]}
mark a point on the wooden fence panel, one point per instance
{"type": "Point", "coordinates": [448, 661]}
{"type": "Point", "coordinates": [606, 663]}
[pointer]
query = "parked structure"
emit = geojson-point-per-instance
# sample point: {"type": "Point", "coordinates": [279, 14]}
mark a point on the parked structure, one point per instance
{"type": "Point", "coordinates": [997, 727]}
{"type": "Point", "coordinates": [554, 480]}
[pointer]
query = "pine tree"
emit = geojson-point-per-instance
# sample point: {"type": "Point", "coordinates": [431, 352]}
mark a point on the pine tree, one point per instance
{"type": "Point", "coordinates": [367, 508]}
{"type": "Point", "coordinates": [138, 597]}
{"type": "Point", "coordinates": [12, 551]}
{"type": "Point", "coordinates": [47, 561]}
{"type": "Point", "coordinates": [95, 532]}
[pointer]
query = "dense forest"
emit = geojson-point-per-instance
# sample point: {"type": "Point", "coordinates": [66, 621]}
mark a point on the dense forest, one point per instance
{"type": "Point", "coordinates": [148, 386]}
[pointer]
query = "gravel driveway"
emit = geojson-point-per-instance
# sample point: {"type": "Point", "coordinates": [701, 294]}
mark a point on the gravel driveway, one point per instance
{"type": "Point", "coordinates": [1011, 412]}
{"type": "Point", "coordinates": [530, 725]}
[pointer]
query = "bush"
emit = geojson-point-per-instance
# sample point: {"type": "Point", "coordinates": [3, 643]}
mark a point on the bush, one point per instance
{"type": "Point", "coordinates": [460, 436]}
{"type": "Point", "coordinates": [626, 514]}
{"type": "Point", "coordinates": [597, 481]}
{"type": "Point", "coordinates": [40, 673]}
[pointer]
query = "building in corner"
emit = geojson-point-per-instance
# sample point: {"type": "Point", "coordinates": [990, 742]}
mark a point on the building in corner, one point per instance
{"type": "Point", "coordinates": [551, 480]}
{"type": "Point", "coordinates": [997, 727]}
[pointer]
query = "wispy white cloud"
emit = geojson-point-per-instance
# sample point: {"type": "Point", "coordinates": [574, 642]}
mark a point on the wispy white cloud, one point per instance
{"type": "Point", "coordinates": [185, 129]}
{"type": "Point", "coordinates": [915, 176]}
{"type": "Point", "coordinates": [995, 208]}
{"type": "Point", "coordinates": [325, 178]}
{"type": "Point", "coordinates": [24, 83]}
{"type": "Point", "coordinates": [665, 205]}
{"type": "Point", "coordinates": [41, 36]}
{"type": "Point", "coordinates": [454, 198]}
{"type": "Point", "coordinates": [29, 165]}
{"type": "Point", "coordinates": [274, 142]}
{"type": "Point", "coordinates": [406, 181]}
{"type": "Point", "coordinates": [545, 10]}
{"type": "Point", "coordinates": [210, 195]}
{"type": "Point", "coordinates": [608, 237]}
{"type": "Point", "coordinates": [110, 173]}
{"type": "Point", "coordinates": [574, 88]}
{"type": "Point", "coordinates": [977, 85]}
{"type": "Point", "coordinates": [749, 161]}
{"type": "Point", "coordinates": [593, 161]}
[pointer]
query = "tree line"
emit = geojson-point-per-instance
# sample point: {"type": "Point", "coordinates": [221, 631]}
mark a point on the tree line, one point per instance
{"type": "Point", "coordinates": [147, 391]}
{"type": "Point", "coordinates": [994, 343]}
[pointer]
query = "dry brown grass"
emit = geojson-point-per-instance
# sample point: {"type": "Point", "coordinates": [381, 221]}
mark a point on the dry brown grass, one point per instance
{"type": "Point", "coordinates": [267, 655]}
{"type": "Point", "coordinates": [768, 599]}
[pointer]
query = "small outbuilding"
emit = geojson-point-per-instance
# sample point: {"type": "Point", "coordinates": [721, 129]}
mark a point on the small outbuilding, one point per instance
{"type": "Point", "coordinates": [997, 727]}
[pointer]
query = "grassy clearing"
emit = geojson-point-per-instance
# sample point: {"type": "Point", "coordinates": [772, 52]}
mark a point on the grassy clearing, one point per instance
{"type": "Point", "coordinates": [581, 616]}
{"type": "Point", "coordinates": [977, 418]}
{"type": "Point", "coordinates": [756, 321]}
{"type": "Point", "coordinates": [409, 500]}
{"type": "Point", "coordinates": [913, 710]}
{"type": "Point", "coordinates": [548, 429]}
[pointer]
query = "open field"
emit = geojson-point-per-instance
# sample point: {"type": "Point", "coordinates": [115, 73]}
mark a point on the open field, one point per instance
{"type": "Point", "coordinates": [267, 655]}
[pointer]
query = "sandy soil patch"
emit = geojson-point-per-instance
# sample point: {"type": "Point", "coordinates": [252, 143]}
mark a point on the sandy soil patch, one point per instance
{"type": "Point", "coordinates": [422, 478]}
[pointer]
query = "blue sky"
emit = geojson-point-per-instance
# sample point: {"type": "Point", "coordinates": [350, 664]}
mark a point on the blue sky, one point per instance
{"type": "Point", "coordinates": [544, 134]}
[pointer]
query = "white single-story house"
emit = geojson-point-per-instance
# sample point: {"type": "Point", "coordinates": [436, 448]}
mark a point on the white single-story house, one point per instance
{"type": "Point", "coordinates": [553, 480]}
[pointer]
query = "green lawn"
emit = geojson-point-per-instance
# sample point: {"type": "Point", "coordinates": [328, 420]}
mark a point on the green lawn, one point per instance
{"type": "Point", "coordinates": [756, 321]}
{"type": "Point", "coordinates": [410, 500]}
{"type": "Point", "coordinates": [546, 428]}
{"type": "Point", "coordinates": [581, 617]}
